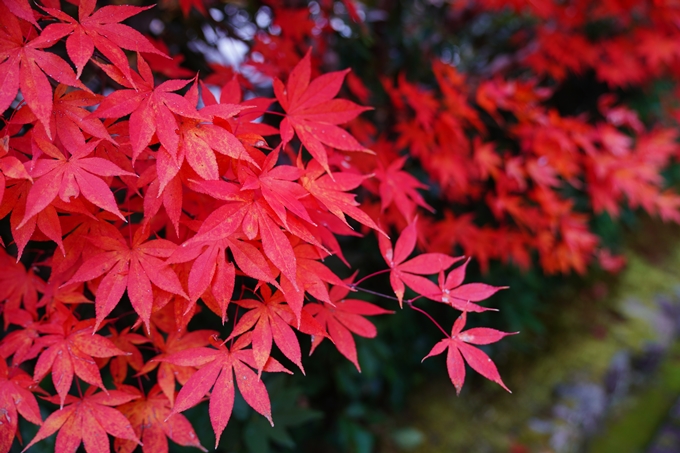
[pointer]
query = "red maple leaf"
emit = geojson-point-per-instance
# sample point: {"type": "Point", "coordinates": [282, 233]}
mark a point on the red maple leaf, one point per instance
{"type": "Point", "coordinates": [71, 346]}
{"type": "Point", "coordinates": [271, 318]}
{"type": "Point", "coordinates": [459, 296]}
{"type": "Point", "coordinates": [332, 192]}
{"type": "Point", "coordinates": [23, 65]}
{"type": "Point", "coordinates": [150, 418]}
{"type": "Point", "coordinates": [133, 267]}
{"type": "Point", "coordinates": [399, 187]}
{"type": "Point", "coordinates": [458, 348]}
{"type": "Point", "coordinates": [125, 341]}
{"type": "Point", "coordinates": [87, 420]}
{"type": "Point", "coordinates": [217, 368]}
{"type": "Point", "coordinates": [410, 272]}
{"type": "Point", "coordinates": [169, 373]}
{"type": "Point", "coordinates": [313, 114]}
{"type": "Point", "coordinates": [100, 29]}
{"type": "Point", "coordinates": [15, 398]}
{"type": "Point", "coordinates": [70, 173]}
{"type": "Point", "coordinates": [151, 109]}
{"type": "Point", "coordinates": [343, 317]}
{"type": "Point", "coordinates": [18, 287]}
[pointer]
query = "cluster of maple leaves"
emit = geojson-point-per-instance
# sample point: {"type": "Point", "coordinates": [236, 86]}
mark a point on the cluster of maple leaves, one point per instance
{"type": "Point", "coordinates": [136, 203]}
{"type": "Point", "coordinates": [521, 180]}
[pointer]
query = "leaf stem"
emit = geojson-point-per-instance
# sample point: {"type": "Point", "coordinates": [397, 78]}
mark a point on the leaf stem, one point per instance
{"type": "Point", "coordinates": [383, 271]}
{"type": "Point", "coordinates": [413, 307]}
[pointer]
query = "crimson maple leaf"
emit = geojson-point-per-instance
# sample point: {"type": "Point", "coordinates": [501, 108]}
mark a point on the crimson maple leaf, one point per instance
{"type": "Point", "coordinates": [15, 398]}
{"type": "Point", "coordinates": [410, 272]}
{"type": "Point", "coordinates": [87, 420]}
{"type": "Point", "coordinates": [70, 176]}
{"type": "Point", "coordinates": [458, 348]}
{"type": "Point", "coordinates": [71, 119]}
{"type": "Point", "coordinates": [313, 114]}
{"type": "Point", "coordinates": [20, 343]}
{"type": "Point", "coordinates": [71, 345]}
{"type": "Point", "coordinates": [126, 341]}
{"type": "Point", "coordinates": [333, 193]}
{"type": "Point", "coordinates": [271, 319]}
{"type": "Point", "coordinates": [133, 267]}
{"type": "Point", "coordinates": [151, 109]}
{"type": "Point", "coordinates": [150, 419]}
{"type": "Point", "coordinates": [400, 188]}
{"type": "Point", "coordinates": [23, 65]}
{"type": "Point", "coordinates": [200, 140]}
{"type": "Point", "coordinates": [217, 368]}
{"type": "Point", "coordinates": [459, 296]}
{"type": "Point", "coordinates": [169, 373]}
{"type": "Point", "coordinates": [343, 317]}
{"type": "Point", "coordinates": [10, 167]}
{"type": "Point", "coordinates": [18, 287]}
{"type": "Point", "coordinates": [100, 29]}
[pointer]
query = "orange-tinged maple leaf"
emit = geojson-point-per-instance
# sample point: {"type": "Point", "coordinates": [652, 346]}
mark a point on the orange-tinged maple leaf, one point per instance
{"type": "Point", "coordinates": [169, 373]}
{"type": "Point", "coordinates": [133, 268]}
{"type": "Point", "coordinates": [71, 346]}
{"type": "Point", "coordinates": [87, 420]}
{"type": "Point", "coordinates": [216, 372]}
{"type": "Point", "coordinates": [313, 114]}
{"type": "Point", "coordinates": [69, 174]}
{"type": "Point", "coordinates": [151, 108]}
{"type": "Point", "coordinates": [150, 418]}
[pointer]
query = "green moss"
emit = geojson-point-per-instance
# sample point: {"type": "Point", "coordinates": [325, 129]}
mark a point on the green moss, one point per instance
{"type": "Point", "coordinates": [634, 428]}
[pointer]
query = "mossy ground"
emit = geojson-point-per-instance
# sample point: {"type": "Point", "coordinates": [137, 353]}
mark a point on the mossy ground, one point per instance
{"type": "Point", "coordinates": [603, 319]}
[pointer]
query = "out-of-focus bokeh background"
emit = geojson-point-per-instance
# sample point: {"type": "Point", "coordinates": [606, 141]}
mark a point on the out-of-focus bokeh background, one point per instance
{"type": "Point", "coordinates": [539, 138]}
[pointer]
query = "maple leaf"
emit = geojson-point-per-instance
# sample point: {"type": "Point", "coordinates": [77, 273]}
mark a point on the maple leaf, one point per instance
{"type": "Point", "coordinates": [133, 267]}
{"type": "Point", "coordinates": [71, 119]}
{"type": "Point", "coordinates": [399, 187]}
{"type": "Point", "coordinates": [200, 140]}
{"type": "Point", "coordinates": [271, 320]}
{"type": "Point", "coordinates": [255, 218]}
{"type": "Point", "coordinates": [21, 342]}
{"type": "Point", "coordinates": [217, 368]}
{"type": "Point", "coordinates": [341, 318]}
{"type": "Point", "coordinates": [70, 176]}
{"type": "Point", "coordinates": [18, 287]}
{"type": "Point", "coordinates": [169, 373]}
{"type": "Point", "coordinates": [126, 341]}
{"type": "Point", "coordinates": [410, 272]}
{"type": "Point", "coordinates": [313, 114]}
{"type": "Point", "coordinates": [150, 418]}
{"type": "Point", "coordinates": [15, 398]}
{"type": "Point", "coordinates": [71, 346]}
{"type": "Point", "coordinates": [459, 296]}
{"type": "Point", "coordinates": [151, 109]}
{"type": "Point", "coordinates": [245, 122]}
{"type": "Point", "coordinates": [23, 65]}
{"type": "Point", "coordinates": [332, 193]}
{"type": "Point", "coordinates": [101, 30]}
{"type": "Point", "coordinates": [87, 420]}
{"type": "Point", "coordinates": [459, 349]}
